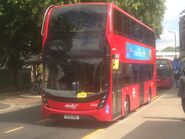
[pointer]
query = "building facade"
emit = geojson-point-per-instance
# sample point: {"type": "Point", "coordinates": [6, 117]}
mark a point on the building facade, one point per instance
{"type": "Point", "coordinates": [167, 55]}
{"type": "Point", "coordinates": [182, 34]}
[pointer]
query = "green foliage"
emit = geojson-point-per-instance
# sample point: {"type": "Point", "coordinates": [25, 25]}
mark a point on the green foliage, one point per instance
{"type": "Point", "coordinates": [19, 33]}
{"type": "Point", "coordinates": [151, 12]}
{"type": "Point", "coordinates": [168, 49]}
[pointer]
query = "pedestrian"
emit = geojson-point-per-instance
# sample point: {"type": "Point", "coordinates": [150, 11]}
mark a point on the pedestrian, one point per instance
{"type": "Point", "coordinates": [177, 70]}
{"type": "Point", "coordinates": [181, 92]}
{"type": "Point", "coordinates": [177, 74]}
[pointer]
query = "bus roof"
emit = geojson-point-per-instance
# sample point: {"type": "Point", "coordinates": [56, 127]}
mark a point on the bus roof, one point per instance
{"type": "Point", "coordinates": [110, 5]}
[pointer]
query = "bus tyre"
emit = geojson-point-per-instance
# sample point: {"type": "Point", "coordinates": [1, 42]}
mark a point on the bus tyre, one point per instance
{"type": "Point", "coordinates": [126, 106]}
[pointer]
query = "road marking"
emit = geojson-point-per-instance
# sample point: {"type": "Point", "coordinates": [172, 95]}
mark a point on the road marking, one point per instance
{"type": "Point", "coordinates": [11, 107]}
{"type": "Point", "coordinates": [43, 121]}
{"type": "Point", "coordinates": [88, 136]}
{"type": "Point", "coordinates": [13, 130]}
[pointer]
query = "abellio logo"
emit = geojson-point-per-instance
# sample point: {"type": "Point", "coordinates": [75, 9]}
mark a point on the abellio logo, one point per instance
{"type": "Point", "coordinates": [71, 106]}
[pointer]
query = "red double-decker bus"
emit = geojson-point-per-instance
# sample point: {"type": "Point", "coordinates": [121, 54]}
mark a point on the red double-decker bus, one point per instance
{"type": "Point", "coordinates": [98, 62]}
{"type": "Point", "coordinates": [164, 69]}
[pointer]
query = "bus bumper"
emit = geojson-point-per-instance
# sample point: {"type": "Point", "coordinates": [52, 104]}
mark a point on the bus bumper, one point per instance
{"type": "Point", "coordinates": [99, 115]}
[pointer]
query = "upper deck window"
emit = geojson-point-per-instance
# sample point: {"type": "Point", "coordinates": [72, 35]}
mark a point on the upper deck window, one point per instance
{"type": "Point", "coordinates": [124, 25]}
{"type": "Point", "coordinates": [79, 18]}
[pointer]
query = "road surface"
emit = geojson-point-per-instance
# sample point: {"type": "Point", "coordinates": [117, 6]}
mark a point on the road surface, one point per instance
{"type": "Point", "coordinates": [28, 124]}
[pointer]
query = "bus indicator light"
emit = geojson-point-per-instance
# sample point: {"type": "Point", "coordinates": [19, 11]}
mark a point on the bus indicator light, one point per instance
{"type": "Point", "coordinates": [107, 109]}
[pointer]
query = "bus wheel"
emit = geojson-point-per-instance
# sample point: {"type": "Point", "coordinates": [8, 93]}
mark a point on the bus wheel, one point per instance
{"type": "Point", "coordinates": [149, 98]}
{"type": "Point", "coordinates": [127, 106]}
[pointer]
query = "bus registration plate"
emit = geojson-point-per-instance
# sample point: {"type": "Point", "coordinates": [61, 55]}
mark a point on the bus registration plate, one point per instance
{"type": "Point", "coordinates": [73, 117]}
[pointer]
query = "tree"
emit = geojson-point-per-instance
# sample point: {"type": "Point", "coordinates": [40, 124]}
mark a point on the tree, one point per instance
{"type": "Point", "coordinates": [19, 33]}
{"type": "Point", "coordinates": [151, 12]}
{"type": "Point", "coordinates": [168, 49]}
{"type": "Point", "coordinates": [20, 23]}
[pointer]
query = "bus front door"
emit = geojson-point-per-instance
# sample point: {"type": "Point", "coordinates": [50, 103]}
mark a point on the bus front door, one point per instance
{"type": "Point", "coordinates": [116, 91]}
{"type": "Point", "coordinates": [141, 84]}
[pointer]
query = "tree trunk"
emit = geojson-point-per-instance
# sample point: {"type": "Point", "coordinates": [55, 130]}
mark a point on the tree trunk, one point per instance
{"type": "Point", "coordinates": [15, 78]}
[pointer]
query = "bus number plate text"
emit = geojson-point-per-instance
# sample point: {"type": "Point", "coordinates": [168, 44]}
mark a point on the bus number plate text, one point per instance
{"type": "Point", "coordinates": [73, 117]}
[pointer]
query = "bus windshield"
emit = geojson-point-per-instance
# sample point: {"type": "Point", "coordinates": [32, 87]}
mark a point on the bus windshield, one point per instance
{"type": "Point", "coordinates": [78, 18]}
{"type": "Point", "coordinates": [164, 68]}
{"type": "Point", "coordinates": [74, 53]}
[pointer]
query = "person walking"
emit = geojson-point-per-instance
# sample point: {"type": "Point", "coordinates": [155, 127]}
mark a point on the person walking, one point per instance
{"type": "Point", "coordinates": [177, 75]}
{"type": "Point", "coordinates": [176, 70]}
{"type": "Point", "coordinates": [181, 92]}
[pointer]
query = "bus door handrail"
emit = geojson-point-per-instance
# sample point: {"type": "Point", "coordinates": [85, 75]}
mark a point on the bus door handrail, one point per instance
{"type": "Point", "coordinates": [42, 29]}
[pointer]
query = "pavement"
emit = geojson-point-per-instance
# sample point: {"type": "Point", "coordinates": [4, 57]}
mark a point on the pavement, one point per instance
{"type": "Point", "coordinates": [19, 101]}
{"type": "Point", "coordinates": [163, 118]}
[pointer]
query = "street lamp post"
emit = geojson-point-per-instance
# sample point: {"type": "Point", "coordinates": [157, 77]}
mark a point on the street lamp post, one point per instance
{"type": "Point", "coordinates": [174, 39]}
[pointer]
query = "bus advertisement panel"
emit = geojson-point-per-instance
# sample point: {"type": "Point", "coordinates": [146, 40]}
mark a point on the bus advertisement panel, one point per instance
{"type": "Point", "coordinates": [95, 66]}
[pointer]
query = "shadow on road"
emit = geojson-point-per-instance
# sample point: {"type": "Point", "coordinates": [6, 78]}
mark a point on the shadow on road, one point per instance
{"type": "Point", "coordinates": [28, 115]}
{"type": "Point", "coordinates": [84, 124]}
{"type": "Point", "coordinates": [158, 130]}
{"type": "Point", "coordinates": [166, 118]}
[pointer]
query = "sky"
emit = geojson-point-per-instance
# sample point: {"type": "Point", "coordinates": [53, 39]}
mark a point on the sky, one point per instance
{"type": "Point", "coordinates": [170, 23]}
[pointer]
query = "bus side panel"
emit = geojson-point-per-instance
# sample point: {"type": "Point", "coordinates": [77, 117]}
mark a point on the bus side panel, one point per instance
{"type": "Point", "coordinates": [149, 86]}
{"type": "Point", "coordinates": [132, 92]}
{"type": "Point", "coordinates": [154, 83]}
